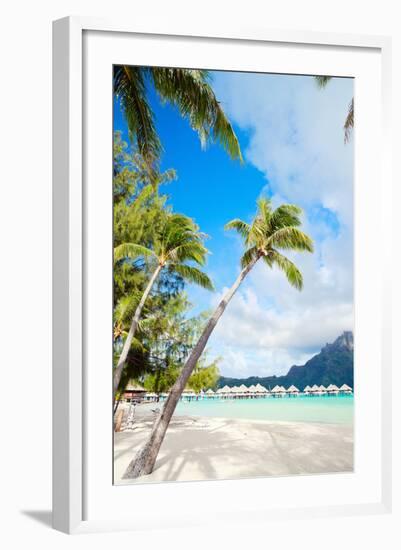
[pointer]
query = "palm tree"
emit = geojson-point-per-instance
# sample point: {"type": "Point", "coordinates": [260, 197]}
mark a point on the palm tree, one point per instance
{"type": "Point", "coordinates": [269, 231]}
{"type": "Point", "coordinates": [187, 89]}
{"type": "Point", "coordinates": [179, 242]}
{"type": "Point", "coordinates": [322, 82]}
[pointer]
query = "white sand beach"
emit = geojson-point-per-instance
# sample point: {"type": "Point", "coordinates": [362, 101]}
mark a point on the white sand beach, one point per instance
{"type": "Point", "coordinates": [201, 448]}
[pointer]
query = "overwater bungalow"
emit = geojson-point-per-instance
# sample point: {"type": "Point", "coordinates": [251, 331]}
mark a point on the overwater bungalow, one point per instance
{"type": "Point", "coordinates": [240, 392]}
{"type": "Point", "coordinates": [332, 389]}
{"type": "Point", "coordinates": [278, 391]}
{"type": "Point", "coordinates": [261, 390]}
{"type": "Point", "coordinates": [225, 392]}
{"type": "Point", "coordinates": [189, 395]}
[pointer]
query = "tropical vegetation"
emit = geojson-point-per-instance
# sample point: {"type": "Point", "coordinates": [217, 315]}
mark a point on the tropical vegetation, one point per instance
{"type": "Point", "coordinates": [176, 242]}
{"type": "Point", "coordinates": [271, 232]}
{"type": "Point", "coordinates": [189, 90]}
{"type": "Point", "coordinates": [153, 331]}
{"type": "Point", "coordinates": [158, 251]}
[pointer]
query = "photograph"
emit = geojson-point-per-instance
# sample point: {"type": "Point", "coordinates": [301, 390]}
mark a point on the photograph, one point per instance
{"type": "Point", "coordinates": [232, 325]}
{"type": "Point", "coordinates": [211, 215]}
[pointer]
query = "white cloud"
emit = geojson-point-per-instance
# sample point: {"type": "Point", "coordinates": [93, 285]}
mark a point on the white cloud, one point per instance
{"type": "Point", "coordinates": [239, 363]}
{"type": "Point", "coordinates": [296, 135]}
{"type": "Point", "coordinates": [296, 141]}
{"type": "Point", "coordinates": [249, 324]}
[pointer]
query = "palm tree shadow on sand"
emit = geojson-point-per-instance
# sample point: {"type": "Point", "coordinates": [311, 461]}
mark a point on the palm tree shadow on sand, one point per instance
{"type": "Point", "coordinates": [244, 450]}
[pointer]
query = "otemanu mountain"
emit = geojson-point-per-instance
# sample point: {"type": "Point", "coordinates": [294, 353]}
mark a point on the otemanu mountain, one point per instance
{"type": "Point", "coordinates": [334, 364]}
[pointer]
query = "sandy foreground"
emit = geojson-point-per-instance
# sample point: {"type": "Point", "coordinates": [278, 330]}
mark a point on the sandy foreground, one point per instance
{"type": "Point", "coordinates": [201, 448]}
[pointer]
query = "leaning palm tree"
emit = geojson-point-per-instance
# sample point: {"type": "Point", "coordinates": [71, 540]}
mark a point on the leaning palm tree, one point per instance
{"type": "Point", "coordinates": [187, 89]}
{"type": "Point", "coordinates": [179, 242]}
{"type": "Point", "coordinates": [322, 82]}
{"type": "Point", "coordinates": [270, 231]}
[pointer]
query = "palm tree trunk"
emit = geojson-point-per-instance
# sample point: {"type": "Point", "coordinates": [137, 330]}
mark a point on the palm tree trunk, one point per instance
{"type": "Point", "coordinates": [134, 324]}
{"type": "Point", "coordinates": [145, 460]}
{"type": "Point", "coordinates": [116, 403]}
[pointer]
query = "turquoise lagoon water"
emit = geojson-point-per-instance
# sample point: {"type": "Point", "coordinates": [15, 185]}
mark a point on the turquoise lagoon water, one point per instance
{"type": "Point", "coordinates": [325, 409]}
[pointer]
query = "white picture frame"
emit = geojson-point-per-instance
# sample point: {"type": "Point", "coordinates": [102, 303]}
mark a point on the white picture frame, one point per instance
{"type": "Point", "coordinates": [70, 409]}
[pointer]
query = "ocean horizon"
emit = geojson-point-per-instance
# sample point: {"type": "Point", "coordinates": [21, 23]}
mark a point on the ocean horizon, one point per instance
{"type": "Point", "coordinates": [324, 409]}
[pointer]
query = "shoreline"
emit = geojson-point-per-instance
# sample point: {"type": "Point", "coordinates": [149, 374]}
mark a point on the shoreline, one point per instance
{"type": "Point", "coordinates": [198, 448]}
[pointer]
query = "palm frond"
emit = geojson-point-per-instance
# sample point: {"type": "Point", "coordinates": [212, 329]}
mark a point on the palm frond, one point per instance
{"type": "Point", "coordinates": [294, 276]}
{"type": "Point", "coordinates": [181, 220]}
{"type": "Point", "coordinates": [142, 197]}
{"type": "Point", "coordinates": [265, 209]}
{"type": "Point", "coordinates": [131, 250]}
{"type": "Point", "coordinates": [224, 133]}
{"type": "Point", "coordinates": [181, 240]}
{"type": "Point", "coordinates": [284, 216]}
{"type": "Point", "coordinates": [291, 238]}
{"type": "Point", "coordinates": [248, 256]}
{"type": "Point", "coordinates": [126, 306]}
{"type": "Point", "coordinates": [322, 81]}
{"type": "Point", "coordinates": [190, 91]}
{"type": "Point", "coordinates": [270, 229]}
{"type": "Point", "coordinates": [130, 89]}
{"type": "Point", "coordinates": [176, 236]}
{"type": "Point", "coordinates": [349, 122]}
{"type": "Point", "coordinates": [258, 232]}
{"type": "Point", "coordinates": [193, 275]}
{"type": "Point", "coordinates": [137, 345]}
{"type": "Point", "coordinates": [191, 250]}
{"type": "Point", "coordinates": [176, 224]}
{"type": "Point", "coordinates": [240, 226]}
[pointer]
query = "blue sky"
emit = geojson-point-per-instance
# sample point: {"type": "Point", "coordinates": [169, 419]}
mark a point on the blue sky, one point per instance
{"type": "Point", "coordinates": [292, 139]}
{"type": "Point", "coordinates": [211, 188]}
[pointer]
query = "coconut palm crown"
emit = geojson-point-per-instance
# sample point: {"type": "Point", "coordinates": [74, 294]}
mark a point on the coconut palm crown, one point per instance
{"type": "Point", "coordinates": [271, 230]}
{"type": "Point", "coordinates": [187, 89]}
{"type": "Point", "coordinates": [178, 243]}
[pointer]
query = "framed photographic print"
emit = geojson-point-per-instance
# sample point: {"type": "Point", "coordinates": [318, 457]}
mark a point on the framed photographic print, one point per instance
{"type": "Point", "coordinates": [220, 313]}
